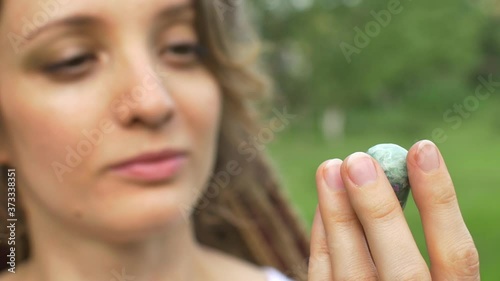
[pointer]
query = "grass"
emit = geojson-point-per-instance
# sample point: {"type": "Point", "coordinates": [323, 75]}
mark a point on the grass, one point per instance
{"type": "Point", "coordinates": [472, 155]}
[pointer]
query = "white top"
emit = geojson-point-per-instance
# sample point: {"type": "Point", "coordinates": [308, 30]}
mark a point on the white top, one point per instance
{"type": "Point", "coordinates": [274, 275]}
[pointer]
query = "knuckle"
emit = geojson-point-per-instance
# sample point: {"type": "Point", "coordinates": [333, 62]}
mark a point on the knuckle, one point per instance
{"type": "Point", "coordinates": [343, 218]}
{"type": "Point", "coordinates": [384, 211]}
{"type": "Point", "coordinates": [416, 274]}
{"type": "Point", "coordinates": [445, 197]}
{"type": "Point", "coordinates": [321, 254]}
{"type": "Point", "coordinates": [419, 277]}
{"type": "Point", "coordinates": [464, 261]}
{"type": "Point", "coordinates": [364, 270]}
{"type": "Point", "coordinates": [317, 263]}
{"type": "Point", "coordinates": [363, 277]}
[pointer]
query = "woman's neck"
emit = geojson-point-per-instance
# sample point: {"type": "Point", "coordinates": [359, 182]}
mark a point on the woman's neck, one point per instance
{"type": "Point", "coordinates": [61, 255]}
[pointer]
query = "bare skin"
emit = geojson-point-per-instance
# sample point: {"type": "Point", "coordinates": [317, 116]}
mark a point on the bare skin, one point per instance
{"type": "Point", "coordinates": [360, 232]}
{"type": "Point", "coordinates": [220, 266]}
{"type": "Point", "coordinates": [93, 83]}
{"type": "Point", "coordinates": [87, 223]}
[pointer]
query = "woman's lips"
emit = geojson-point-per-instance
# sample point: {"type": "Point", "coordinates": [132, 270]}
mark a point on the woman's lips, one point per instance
{"type": "Point", "coordinates": [161, 169]}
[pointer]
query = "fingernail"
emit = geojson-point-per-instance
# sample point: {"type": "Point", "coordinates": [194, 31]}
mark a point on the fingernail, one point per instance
{"type": "Point", "coordinates": [361, 169]}
{"type": "Point", "coordinates": [427, 156]}
{"type": "Point", "coordinates": [332, 176]}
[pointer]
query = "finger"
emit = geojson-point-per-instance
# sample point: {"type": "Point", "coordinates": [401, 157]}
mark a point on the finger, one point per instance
{"type": "Point", "coordinates": [319, 261]}
{"type": "Point", "coordinates": [451, 249]}
{"type": "Point", "coordinates": [392, 246]}
{"type": "Point", "coordinates": [349, 251]}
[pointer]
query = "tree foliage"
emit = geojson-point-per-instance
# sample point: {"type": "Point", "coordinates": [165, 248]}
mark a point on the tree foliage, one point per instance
{"type": "Point", "coordinates": [422, 55]}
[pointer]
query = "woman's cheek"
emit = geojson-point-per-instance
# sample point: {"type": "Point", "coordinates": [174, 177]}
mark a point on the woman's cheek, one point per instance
{"type": "Point", "coordinates": [41, 153]}
{"type": "Point", "coordinates": [210, 110]}
{"type": "Point", "coordinates": [200, 105]}
{"type": "Point", "coordinates": [199, 100]}
{"type": "Point", "coordinates": [37, 142]}
{"type": "Point", "coordinates": [42, 125]}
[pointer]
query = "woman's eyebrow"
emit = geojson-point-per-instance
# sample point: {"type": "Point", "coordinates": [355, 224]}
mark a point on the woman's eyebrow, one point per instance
{"type": "Point", "coordinates": [73, 21]}
{"type": "Point", "coordinates": [84, 20]}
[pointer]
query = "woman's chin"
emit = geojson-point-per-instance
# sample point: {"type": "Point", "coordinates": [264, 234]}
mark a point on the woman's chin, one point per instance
{"type": "Point", "coordinates": [138, 227]}
{"type": "Point", "coordinates": [129, 218]}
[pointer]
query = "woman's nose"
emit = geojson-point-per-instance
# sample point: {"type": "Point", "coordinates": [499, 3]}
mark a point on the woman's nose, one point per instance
{"type": "Point", "coordinates": [145, 98]}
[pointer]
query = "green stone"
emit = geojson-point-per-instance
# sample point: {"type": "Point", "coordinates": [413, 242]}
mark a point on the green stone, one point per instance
{"type": "Point", "coordinates": [392, 159]}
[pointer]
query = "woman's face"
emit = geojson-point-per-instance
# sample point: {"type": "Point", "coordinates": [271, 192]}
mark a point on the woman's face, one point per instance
{"type": "Point", "coordinates": [87, 84]}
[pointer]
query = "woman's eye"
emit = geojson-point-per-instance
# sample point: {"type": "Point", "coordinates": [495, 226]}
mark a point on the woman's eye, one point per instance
{"type": "Point", "coordinates": [182, 54]}
{"type": "Point", "coordinates": [72, 67]}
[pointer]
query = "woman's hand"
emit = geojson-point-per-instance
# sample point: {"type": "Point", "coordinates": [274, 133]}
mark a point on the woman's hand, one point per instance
{"type": "Point", "coordinates": [360, 232]}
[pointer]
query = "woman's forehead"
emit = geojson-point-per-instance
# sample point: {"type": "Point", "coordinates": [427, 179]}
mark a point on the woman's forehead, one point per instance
{"type": "Point", "coordinates": [20, 20]}
{"type": "Point", "coordinates": [21, 14]}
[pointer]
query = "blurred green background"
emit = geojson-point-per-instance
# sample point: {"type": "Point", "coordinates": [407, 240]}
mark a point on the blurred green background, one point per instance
{"type": "Point", "coordinates": [357, 73]}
